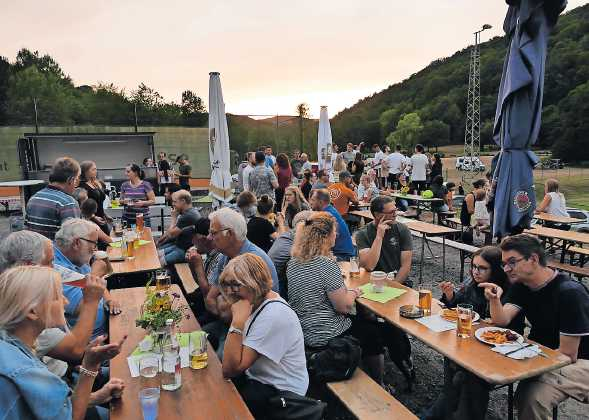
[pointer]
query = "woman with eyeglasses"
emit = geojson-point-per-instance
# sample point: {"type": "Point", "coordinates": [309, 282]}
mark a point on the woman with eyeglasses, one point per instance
{"type": "Point", "coordinates": [264, 351]}
{"type": "Point", "coordinates": [465, 396]}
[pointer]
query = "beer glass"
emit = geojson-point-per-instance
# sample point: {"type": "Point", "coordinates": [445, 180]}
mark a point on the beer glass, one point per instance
{"type": "Point", "coordinates": [162, 280]}
{"type": "Point", "coordinates": [425, 301]}
{"type": "Point", "coordinates": [354, 267]}
{"type": "Point", "coordinates": [199, 359]}
{"type": "Point", "coordinates": [464, 322]}
{"type": "Point", "coordinates": [139, 222]}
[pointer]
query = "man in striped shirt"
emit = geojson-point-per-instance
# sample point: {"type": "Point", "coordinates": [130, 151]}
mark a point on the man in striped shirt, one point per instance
{"type": "Point", "coordinates": [50, 207]}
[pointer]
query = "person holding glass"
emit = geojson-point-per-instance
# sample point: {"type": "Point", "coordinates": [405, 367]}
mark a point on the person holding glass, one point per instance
{"type": "Point", "coordinates": [31, 301]}
{"type": "Point", "coordinates": [264, 351]}
{"type": "Point", "coordinates": [136, 195]}
{"type": "Point", "coordinates": [465, 395]}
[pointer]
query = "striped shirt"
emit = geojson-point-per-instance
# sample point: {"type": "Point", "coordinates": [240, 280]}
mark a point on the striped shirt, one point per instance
{"type": "Point", "coordinates": [48, 209]}
{"type": "Point", "coordinates": [138, 193]}
{"type": "Point", "coordinates": [308, 286]}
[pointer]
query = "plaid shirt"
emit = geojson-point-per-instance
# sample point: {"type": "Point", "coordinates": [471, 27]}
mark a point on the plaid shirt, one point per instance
{"type": "Point", "coordinates": [48, 209]}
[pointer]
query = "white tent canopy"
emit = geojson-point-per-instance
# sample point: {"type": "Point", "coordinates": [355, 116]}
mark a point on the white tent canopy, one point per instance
{"type": "Point", "coordinates": [324, 147]}
{"type": "Point", "coordinates": [220, 185]}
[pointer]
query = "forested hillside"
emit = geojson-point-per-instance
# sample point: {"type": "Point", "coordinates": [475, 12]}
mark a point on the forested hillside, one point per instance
{"type": "Point", "coordinates": [429, 107]}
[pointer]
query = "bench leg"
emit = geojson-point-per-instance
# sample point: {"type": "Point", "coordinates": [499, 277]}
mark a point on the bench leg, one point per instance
{"type": "Point", "coordinates": [422, 257]}
{"type": "Point", "coordinates": [462, 259]}
{"type": "Point", "coordinates": [443, 258]}
{"type": "Point", "coordinates": [510, 402]}
{"type": "Point", "coordinates": [555, 413]}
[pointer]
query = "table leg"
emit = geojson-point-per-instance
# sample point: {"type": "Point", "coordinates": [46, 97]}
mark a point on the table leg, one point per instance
{"type": "Point", "coordinates": [564, 251]}
{"type": "Point", "coordinates": [443, 257]}
{"type": "Point", "coordinates": [510, 402]}
{"type": "Point", "coordinates": [462, 258]}
{"type": "Point", "coordinates": [422, 256]}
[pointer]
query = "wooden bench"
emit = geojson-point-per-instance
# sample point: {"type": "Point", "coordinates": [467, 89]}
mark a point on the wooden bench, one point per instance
{"type": "Point", "coordinates": [580, 272]}
{"type": "Point", "coordinates": [186, 278]}
{"type": "Point", "coordinates": [583, 253]}
{"type": "Point", "coordinates": [453, 222]}
{"type": "Point", "coordinates": [367, 400]}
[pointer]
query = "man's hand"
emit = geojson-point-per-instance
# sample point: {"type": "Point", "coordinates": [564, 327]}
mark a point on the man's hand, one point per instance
{"type": "Point", "coordinates": [95, 287]}
{"type": "Point", "coordinates": [448, 289]}
{"type": "Point", "coordinates": [492, 291]}
{"type": "Point", "coordinates": [241, 310]}
{"type": "Point", "coordinates": [113, 306]}
{"type": "Point", "coordinates": [193, 256]}
{"type": "Point", "coordinates": [382, 228]}
{"type": "Point", "coordinates": [112, 389]}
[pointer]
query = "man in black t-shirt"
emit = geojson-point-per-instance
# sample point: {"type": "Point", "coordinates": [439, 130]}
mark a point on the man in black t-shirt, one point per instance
{"type": "Point", "coordinates": [557, 307]}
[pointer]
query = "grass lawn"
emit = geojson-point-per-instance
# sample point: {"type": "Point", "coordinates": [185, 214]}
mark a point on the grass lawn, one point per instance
{"type": "Point", "coordinates": [575, 189]}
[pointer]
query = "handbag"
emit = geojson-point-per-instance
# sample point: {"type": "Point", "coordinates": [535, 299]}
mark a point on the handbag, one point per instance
{"type": "Point", "coordinates": [337, 361]}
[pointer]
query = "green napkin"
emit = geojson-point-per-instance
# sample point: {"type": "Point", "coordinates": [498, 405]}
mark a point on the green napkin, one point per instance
{"type": "Point", "coordinates": [183, 341]}
{"type": "Point", "coordinates": [118, 243]}
{"type": "Point", "coordinates": [387, 294]}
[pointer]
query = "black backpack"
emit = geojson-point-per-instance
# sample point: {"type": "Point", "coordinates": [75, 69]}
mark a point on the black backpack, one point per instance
{"type": "Point", "coordinates": [337, 361]}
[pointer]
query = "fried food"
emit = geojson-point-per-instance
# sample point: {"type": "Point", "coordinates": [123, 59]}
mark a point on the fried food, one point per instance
{"type": "Point", "coordinates": [499, 336]}
{"type": "Point", "coordinates": [450, 315]}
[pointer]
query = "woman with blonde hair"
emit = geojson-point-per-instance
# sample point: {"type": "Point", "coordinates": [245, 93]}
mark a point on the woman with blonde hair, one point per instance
{"type": "Point", "coordinates": [264, 351]}
{"type": "Point", "coordinates": [553, 201]}
{"type": "Point", "coordinates": [318, 295]}
{"type": "Point", "coordinates": [31, 300]}
{"type": "Point", "coordinates": [294, 202]}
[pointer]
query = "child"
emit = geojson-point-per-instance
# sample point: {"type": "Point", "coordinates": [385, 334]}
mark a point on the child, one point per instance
{"type": "Point", "coordinates": [88, 210]}
{"type": "Point", "coordinates": [260, 228]}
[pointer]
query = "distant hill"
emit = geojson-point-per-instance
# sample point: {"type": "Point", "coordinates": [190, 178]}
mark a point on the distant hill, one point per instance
{"type": "Point", "coordinates": [437, 94]}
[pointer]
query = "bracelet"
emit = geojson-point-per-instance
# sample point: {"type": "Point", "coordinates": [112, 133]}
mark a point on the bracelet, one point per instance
{"type": "Point", "coordinates": [232, 329]}
{"type": "Point", "coordinates": [91, 373]}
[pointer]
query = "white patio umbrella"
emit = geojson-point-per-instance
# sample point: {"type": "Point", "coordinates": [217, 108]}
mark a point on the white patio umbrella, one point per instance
{"type": "Point", "coordinates": [324, 140]}
{"type": "Point", "coordinates": [220, 185]}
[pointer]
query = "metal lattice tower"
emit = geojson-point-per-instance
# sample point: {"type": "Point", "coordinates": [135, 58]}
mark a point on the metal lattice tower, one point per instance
{"type": "Point", "coordinates": [472, 132]}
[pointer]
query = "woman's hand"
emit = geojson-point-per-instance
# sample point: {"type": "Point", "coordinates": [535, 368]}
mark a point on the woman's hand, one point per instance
{"type": "Point", "coordinates": [96, 352]}
{"type": "Point", "coordinates": [241, 310]}
{"type": "Point", "coordinates": [448, 289]}
{"type": "Point", "coordinates": [112, 389]}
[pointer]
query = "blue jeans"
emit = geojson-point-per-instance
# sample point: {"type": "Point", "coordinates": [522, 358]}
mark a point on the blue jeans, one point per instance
{"type": "Point", "coordinates": [219, 330]}
{"type": "Point", "coordinates": [172, 254]}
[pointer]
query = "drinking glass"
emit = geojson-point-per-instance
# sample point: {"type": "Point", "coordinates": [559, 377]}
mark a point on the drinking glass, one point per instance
{"type": "Point", "coordinates": [149, 398]}
{"type": "Point", "coordinates": [464, 322]}
{"type": "Point", "coordinates": [198, 350]}
{"type": "Point", "coordinates": [377, 278]}
{"type": "Point", "coordinates": [354, 267]}
{"type": "Point", "coordinates": [425, 301]}
{"type": "Point", "coordinates": [162, 280]}
{"type": "Point", "coordinates": [148, 369]}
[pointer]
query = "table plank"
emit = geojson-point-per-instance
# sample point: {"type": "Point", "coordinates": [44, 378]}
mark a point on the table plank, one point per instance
{"type": "Point", "coordinates": [469, 353]}
{"type": "Point", "coordinates": [146, 258]}
{"type": "Point", "coordinates": [204, 393]}
{"type": "Point", "coordinates": [415, 197]}
{"type": "Point", "coordinates": [567, 235]}
{"type": "Point", "coordinates": [547, 217]}
{"type": "Point", "coordinates": [429, 228]}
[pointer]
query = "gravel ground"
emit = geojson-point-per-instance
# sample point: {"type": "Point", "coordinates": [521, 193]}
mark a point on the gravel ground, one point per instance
{"type": "Point", "coordinates": [428, 362]}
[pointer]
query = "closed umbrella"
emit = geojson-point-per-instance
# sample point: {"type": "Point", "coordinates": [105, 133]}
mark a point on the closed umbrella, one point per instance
{"type": "Point", "coordinates": [324, 140]}
{"type": "Point", "coordinates": [220, 185]}
{"type": "Point", "coordinates": [519, 106]}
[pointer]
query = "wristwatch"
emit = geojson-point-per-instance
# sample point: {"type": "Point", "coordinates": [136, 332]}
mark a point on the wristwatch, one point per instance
{"type": "Point", "coordinates": [232, 329]}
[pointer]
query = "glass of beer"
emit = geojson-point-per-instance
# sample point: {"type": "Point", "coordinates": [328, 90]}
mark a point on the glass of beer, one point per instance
{"type": "Point", "coordinates": [464, 322]}
{"type": "Point", "coordinates": [199, 359]}
{"type": "Point", "coordinates": [162, 280]}
{"type": "Point", "coordinates": [139, 223]}
{"type": "Point", "coordinates": [425, 301]}
{"type": "Point", "coordinates": [354, 267]}
{"type": "Point", "coordinates": [130, 242]}
{"type": "Point", "coordinates": [118, 227]}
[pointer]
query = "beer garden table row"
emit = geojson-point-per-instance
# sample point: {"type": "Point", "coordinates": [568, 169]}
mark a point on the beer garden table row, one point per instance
{"type": "Point", "coordinates": [469, 353]}
{"type": "Point", "coordinates": [146, 258]}
{"type": "Point", "coordinates": [567, 237]}
{"type": "Point", "coordinates": [204, 393]}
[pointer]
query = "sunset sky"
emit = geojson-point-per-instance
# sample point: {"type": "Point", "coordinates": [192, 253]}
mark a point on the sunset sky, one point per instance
{"type": "Point", "coordinates": [272, 55]}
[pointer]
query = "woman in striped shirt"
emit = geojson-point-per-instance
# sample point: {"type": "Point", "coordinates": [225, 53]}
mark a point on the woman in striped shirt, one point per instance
{"type": "Point", "coordinates": [318, 295]}
{"type": "Point", "coordinates": [136, 195]}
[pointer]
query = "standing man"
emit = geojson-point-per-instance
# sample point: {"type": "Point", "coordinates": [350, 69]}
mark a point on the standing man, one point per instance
{"type": "Point", "coordinates": [377, 161]}
{"type": "Point", "coordinates": [270, 159]}
{"type": "Point", "coordinates": [342, 194]}
{"type": "Point", "coordinates": [396, 163]}
{"type": "Point", "coordinates": [248, 169]}
{"type": "Point", "coordinates": [296, 164]}
{"type": "Point", "coordinates": [349, 155]}
{"type": "Point", "coordinates": [184, 173]}
{"type": "Point", "coordinates": [306, 163]}
{"type": "Point", "coordinates": [51, 206]}
{"type": "Point", "coordinates": [343, 248]}
{"type": "Point", "coordinates": [557, 307]}
{"type": "Point", "coordinates": [262, 179]}
{"type": "Point", "coordinates": [419, 165]}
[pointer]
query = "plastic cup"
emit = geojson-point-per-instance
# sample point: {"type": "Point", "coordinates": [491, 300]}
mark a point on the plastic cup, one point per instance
{"type": "Point", "coordinates": [149, 399]}
{"type": "Point", "coordinates": [377, 278]}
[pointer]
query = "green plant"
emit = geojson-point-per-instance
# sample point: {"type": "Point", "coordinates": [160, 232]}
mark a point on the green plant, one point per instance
{"type": "Point", "coordinates": [159, 306]}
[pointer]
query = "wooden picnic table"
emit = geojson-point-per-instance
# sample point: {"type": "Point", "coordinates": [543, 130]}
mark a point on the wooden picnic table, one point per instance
{"type": "Point", "coordinates": [204, 394]}
{"type": "Point", "coordinates": [418, 199]}
{"type": "Point", "coordinates": [567, 237]}
{"type": "Point", "coordinates": [146, 257]}
{"type": "Point", "coordinates": [469, 353]}
{"type": "Point", "coordinates": [547, 217]}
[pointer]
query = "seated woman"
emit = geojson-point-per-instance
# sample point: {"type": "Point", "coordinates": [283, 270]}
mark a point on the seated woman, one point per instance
{"type": "Point", "coordinates": [367, 190]}
{"type": "Point", "coordinates": [264, 351]}
{"type": "Point", "coordinates": [465, 395]}
{"type": "Point", "coordinates": [318, 295]}
{"type": "Point", "coordinates": [293, 203]}
{"type": "Point", "coordinates": [307, 183]}
{"type": "Point", "coordinates": [31, 300]}
{"type": "Point", "coordinates": [553, 203]}
{"type": "Point", "coordinates": [440, 191]}
{"type": "Point", "coordinates": [88, 212]}
{"type": "Point", "coordinates": [260, 228]}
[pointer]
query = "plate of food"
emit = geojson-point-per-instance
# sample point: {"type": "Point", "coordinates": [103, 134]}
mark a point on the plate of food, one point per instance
{"type": "Point", "coordinates": [452, 316]}
{"type": "Point", "coordinates": [495, 335]}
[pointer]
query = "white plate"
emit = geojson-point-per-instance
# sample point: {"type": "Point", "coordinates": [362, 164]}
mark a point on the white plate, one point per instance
{"type": "Point", "coordinates": [479, 335]}
{"type": "Point", "coordinates": [475, 319]}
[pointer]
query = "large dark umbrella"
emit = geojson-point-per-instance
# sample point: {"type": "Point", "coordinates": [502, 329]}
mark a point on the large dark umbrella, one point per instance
{"type": "Point", "coordinates": [519, 106]}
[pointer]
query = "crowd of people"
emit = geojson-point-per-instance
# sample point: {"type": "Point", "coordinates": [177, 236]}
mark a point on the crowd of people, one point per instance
{"type": "Point", "coordinates": [271, 291]}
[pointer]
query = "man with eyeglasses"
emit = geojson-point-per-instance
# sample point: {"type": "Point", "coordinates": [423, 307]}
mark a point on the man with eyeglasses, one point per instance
{"type": "Point", "coordinates": [557, 307]}
{"type": "Point", "coordinates": [74, 247]}
{"type": "Point", "coordinates": [385, 245]}
{"type": "Point", "coordinates": [50, 207]}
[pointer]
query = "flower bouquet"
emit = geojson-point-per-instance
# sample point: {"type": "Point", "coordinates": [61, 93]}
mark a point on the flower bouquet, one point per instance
{"type": "Point", "coordinates": [404, 190]}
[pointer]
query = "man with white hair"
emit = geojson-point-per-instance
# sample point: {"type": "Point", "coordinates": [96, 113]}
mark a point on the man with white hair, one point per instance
{"type": "Point", "coordinates": [75, 244]}
{"type": "Point", "coordinates": [228, 232]}
{"type": "Point", "coordinates": [25, 248]}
